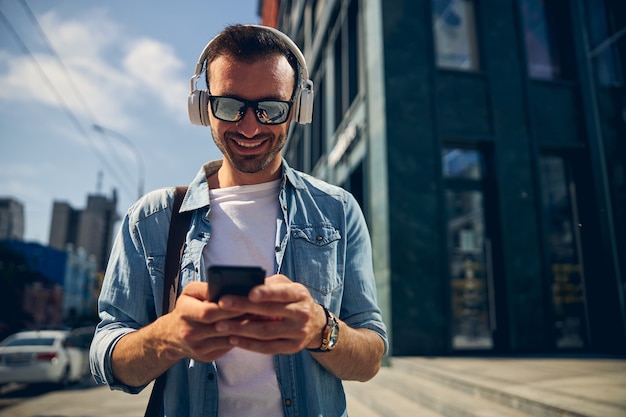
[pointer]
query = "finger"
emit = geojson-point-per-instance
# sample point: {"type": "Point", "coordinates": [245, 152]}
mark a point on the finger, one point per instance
{"type": "Point", "coordinates": [280, 346]}
{"type": "Point", "coordinates": [197, 289]}
{"type": "Point", "coordinates": [277, 279]}
{"type": "Point", "coordinates": [265, 330]}
{"type": "Point", "coordinates": [280, 292]}
{"type": "Point", "coordinates": [193, 310]}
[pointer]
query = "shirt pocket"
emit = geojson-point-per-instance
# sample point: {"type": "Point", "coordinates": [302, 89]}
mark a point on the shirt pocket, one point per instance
{"type": "Point", "coordinates": [316, 249]}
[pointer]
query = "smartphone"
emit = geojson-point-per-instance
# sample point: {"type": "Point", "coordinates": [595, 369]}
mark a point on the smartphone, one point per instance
{"type": "Point", "coordinates": [235, 280]}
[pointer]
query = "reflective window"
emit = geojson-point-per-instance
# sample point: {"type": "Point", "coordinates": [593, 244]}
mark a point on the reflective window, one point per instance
{"type": "Point", "coordinates": [469, 250]}
{"type": "Point", "coordinates": [603, 44]}
{"type": "Point", "coordinates": [546, 26]}
{"type": "Point", "coordinates": [454, 26]}
{"type": "Point", "coordinates": [461, 163]}
{"type": "Point", "coordinates": [563, 244]}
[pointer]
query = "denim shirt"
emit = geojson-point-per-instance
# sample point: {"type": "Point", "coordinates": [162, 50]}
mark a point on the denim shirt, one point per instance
{"type": "Point", "coordinates": [322, 241]}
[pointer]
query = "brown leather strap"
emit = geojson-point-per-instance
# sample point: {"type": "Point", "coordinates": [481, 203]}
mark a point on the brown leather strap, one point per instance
{"type": "Point", "coordinates": [179, 225]}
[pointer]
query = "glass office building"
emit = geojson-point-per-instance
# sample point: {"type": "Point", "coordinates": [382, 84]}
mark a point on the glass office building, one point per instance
{"type": "Point", "coordinates": [486, 143]}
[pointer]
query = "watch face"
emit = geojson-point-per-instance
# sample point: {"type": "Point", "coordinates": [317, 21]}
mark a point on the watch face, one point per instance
{"type": "Point", "coordinates": [332, 338]}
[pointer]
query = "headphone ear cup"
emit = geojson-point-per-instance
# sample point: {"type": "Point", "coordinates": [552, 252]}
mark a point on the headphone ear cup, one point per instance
{"type": "Point", "coordinates": [304, 105]}
{"type": "Point", "coordinates": [198, 107]}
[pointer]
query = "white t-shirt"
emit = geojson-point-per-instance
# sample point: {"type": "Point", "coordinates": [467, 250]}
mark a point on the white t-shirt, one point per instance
{"type": "Point", "coordinates": [243, 223]}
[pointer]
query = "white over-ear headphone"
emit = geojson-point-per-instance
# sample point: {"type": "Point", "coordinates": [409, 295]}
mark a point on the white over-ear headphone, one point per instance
{"type": "Point", "coordinates": [198, 100]}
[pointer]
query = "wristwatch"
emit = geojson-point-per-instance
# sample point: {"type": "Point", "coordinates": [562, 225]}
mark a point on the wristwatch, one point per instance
{"type": "Point", "coordinates": [330, 334]}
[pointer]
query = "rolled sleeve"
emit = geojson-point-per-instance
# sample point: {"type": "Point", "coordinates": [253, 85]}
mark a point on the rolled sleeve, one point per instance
{"type": "Point", "coordinates": [359, 306]}
{"type": "Point", "coordinates": [134, 275]}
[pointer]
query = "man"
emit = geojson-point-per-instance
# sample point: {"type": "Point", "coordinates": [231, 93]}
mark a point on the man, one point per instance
{"type": "Point", "coordinates": [272, 352]}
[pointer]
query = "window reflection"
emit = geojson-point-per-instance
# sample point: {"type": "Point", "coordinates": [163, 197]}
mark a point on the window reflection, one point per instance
{"type": "Point", "coordinates": [541, 47]}
{"type": "Point", "coordinates": [564, 256]}
{"type": "Point", "coordinates": [468, 249]}
{"type": "Point", "coordinates": [603, 46]}
{"type": "Point", "coordinates": [461, 163]}
{"type": "Point", "coordinates": [454, 27]}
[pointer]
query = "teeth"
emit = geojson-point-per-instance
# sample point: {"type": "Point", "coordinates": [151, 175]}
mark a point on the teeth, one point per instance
{"type": "Point", "coordinates": [248, 144]}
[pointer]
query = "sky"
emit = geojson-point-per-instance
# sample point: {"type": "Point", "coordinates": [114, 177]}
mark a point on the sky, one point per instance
{"type": "Point", "coordinates": [123, 65]}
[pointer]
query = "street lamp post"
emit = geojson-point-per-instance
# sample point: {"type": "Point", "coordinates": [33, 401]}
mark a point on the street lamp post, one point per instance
{"type": "Point", "coordinates": [131, 145]}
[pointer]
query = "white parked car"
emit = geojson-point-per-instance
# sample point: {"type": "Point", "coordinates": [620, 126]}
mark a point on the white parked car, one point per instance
{"type": "Point", "coordinates": [42, 356]}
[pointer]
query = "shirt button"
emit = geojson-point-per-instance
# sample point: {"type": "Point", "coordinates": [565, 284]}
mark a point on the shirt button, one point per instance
{"type": "Point", "coordinates": [284, 207]}
{"type": "Point", "coordinates": [210, 377]}
{"type": "Point", "coordinates": [277, 249]}
{"type": "Point", "coordinates": [319, 238]}
{"type": "Point", "coordinates": [288, 402]}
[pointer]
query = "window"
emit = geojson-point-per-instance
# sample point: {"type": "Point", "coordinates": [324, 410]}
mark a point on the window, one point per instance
{"type": "Point", "coordinates": [469, 249]}
{"type": "Point", "coordinates": [546, 27]}
{"type": "Point", "coordinates": [603, 44]}
{"type": "Point", "coordinates": [454, 26]}
{"type": "Point", "coordinates": [353, 51]}
{"type": "Point", "coordinates": [346, 62]}
{"type": "Point", "coordinates": [338, 65]}
{"type": "Point", "coordinates": [318, 140]}
{"type": "Point", "coordinates": [564, 257]}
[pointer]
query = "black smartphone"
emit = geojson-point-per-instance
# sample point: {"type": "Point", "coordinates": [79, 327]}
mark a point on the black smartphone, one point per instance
{"type": "Point", "coordinates": [235, 280]}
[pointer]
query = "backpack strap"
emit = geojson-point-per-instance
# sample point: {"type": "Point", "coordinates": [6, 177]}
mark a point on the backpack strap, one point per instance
{"type": "Point", "coordinates": [179, 225]}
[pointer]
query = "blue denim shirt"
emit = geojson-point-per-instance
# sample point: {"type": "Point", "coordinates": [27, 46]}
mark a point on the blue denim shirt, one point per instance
{"type": "Point", "coordinates": [322, 241]}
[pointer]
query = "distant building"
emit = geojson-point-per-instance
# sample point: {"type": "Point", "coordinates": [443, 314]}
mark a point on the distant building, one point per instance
{"type": "Point", "coordinates": [90, 229]}
{"type": "Point", "coordinates": [67, 290]}
{"type": "Point", "coordinates": [79, 284]}
{"type": "Point", "coordinates": [11, 219]}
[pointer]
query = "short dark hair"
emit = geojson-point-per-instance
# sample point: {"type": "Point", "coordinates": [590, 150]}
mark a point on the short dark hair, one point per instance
{"type": "Point", "coordinates": [250, 43]}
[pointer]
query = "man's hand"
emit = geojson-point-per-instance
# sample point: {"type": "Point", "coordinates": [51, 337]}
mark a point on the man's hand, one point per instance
{"type": "Point", "coordinates": [191, 332]}
{"type": "Point", "coordinates": [188, 331]}
{"type": "Point", "coordinates": [280, 317]}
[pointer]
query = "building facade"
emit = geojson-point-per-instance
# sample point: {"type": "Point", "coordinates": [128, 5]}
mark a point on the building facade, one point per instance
{"type": "Point", "coordinates": [486, 143]}
{"type": "Point", "coordinates": [11, 219]}
{"type": "Point", "coordinates": [91, 229]}
{"type": "Point", "coordinates": [66, 290]}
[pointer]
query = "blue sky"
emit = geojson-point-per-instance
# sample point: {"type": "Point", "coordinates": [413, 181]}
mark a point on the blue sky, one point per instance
{"type": "Point", "coordinates": [129, 64]}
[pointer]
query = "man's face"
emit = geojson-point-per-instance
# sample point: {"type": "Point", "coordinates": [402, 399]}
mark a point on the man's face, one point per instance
{"type": "Point", "coordinates": [252, 151]}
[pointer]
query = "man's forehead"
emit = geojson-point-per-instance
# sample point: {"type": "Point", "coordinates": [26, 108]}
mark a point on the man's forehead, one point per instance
{"type": "Point", "coordinates": [275, 65]}
{"type": "Point", "coordinates": [270, 76]}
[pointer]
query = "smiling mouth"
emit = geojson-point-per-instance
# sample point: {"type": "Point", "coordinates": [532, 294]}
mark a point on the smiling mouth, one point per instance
{"type": "Point", "coordinates": [246, 144]}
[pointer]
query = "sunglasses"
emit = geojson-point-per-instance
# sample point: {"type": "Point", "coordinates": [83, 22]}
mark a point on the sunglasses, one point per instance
{"type": "Point", "coordinates": [267, 112]}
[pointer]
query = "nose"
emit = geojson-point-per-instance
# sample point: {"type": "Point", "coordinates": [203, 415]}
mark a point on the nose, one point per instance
{"type": "Point", "coordinates": [249, 126]}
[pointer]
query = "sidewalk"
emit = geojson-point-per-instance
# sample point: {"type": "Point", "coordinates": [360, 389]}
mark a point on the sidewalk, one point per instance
{"type": "Point", "coordinates": [551, 387]}
{"type": "Point", "coordinates": [419, 386]}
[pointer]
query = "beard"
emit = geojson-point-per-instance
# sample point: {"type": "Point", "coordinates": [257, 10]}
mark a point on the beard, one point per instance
{"type": "Point", "coordinates": [249, 164]}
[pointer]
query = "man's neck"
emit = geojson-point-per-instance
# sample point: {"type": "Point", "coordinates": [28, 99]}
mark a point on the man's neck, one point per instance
{"type": "Point", "coordinates": [228, 176]}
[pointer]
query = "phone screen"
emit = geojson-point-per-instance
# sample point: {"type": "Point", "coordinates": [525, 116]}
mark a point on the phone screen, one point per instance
{"type": "Point", "coordinates": [235, 280]}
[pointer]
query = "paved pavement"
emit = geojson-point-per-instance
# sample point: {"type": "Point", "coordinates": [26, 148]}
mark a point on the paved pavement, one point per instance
{"type": "Point", "coordinates": [418, 386]}
{"type": "Point", "coordinates": [590, 387]}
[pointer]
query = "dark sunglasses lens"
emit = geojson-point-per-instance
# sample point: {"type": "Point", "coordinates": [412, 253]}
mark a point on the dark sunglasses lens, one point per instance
{"type": "Point", "coordinates": [227, 109]}
{"type": "Point", "coordinates": [273, 112]}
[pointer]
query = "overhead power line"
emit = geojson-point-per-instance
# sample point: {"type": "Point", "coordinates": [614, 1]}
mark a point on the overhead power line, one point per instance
{"type": "Point", "coordinates": [52, 51]}
{"type": "Point", "coordinates": [116, 155]}
{"type": "Point", "coordinates": [59, 97]}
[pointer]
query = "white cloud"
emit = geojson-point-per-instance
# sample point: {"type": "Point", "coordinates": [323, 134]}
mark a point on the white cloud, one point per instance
{"type": "Point", "coordinates": [111, 77]}
{"type": "Point", "coordinates": [156, 66]}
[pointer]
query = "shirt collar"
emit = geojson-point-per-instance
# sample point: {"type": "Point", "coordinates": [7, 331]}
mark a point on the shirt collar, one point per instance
{"type": "Point", "coordinates": [198, 192]}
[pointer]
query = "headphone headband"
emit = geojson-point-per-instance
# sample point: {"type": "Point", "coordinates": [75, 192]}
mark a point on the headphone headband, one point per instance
{"type": "Point", "coordinates": [198, 100]}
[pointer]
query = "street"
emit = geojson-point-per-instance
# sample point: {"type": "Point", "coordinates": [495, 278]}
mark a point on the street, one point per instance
{"type": "Point", "coordinates": [81, 400]}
